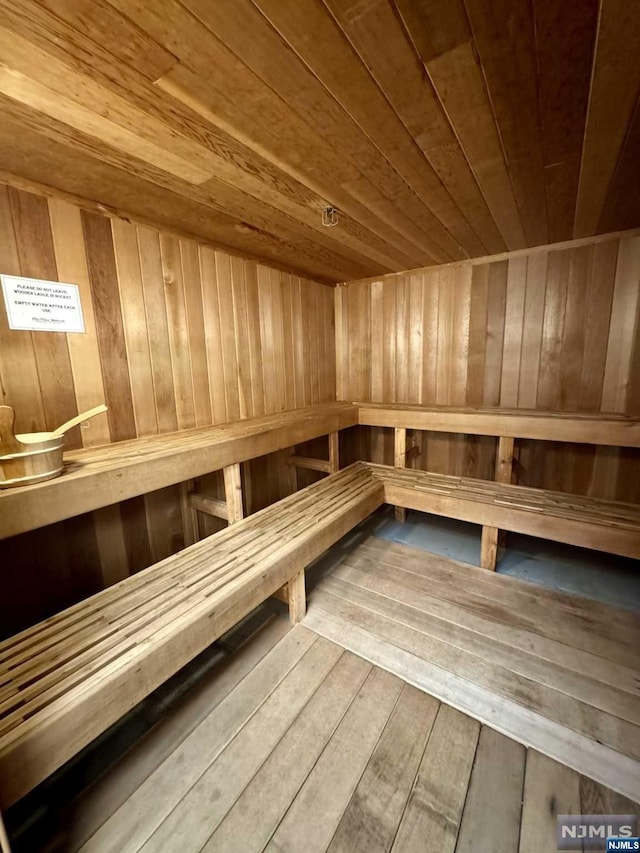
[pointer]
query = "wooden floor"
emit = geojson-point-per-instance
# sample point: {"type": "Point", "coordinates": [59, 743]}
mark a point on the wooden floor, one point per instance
{"type": "Point", "coordinates": [554, 671]}
{"type": "Point", "coordinates": [300, 745]}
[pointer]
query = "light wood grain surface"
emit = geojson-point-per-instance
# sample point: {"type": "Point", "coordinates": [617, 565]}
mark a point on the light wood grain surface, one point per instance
{"type": "Point", "coordinates": [439, 133]}
{"type": "Point", "coordinates": [556, 672]}
{"type": "Point", "coordinates": [316, 747]}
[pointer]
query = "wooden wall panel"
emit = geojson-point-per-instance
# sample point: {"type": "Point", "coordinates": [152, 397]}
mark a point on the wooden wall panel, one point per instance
{"type": "Point", "coordinates": [555, 328]}
{"type": "Point", "coordinates": [178, 335]}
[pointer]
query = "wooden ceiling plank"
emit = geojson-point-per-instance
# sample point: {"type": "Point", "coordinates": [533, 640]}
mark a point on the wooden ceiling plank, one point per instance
{"type": "Point", "coordinates": [503, 33]}
{"type": "Point", "coordinates": [314, 35]}
{"type": "Point", "coordinates": [110, 107]}
{"type": "Point", "coordinates": [441, 34]}
{"type": "Point", "coordinates": [262, 110]}
{"type": "Point", "coordinates": [240, 101]}
{"type": "Point", "coordinates": [60, 40]}
{"type": "Point", "coordinates": [358, 227]}
{"type": "Point", "coordinates": [375, 31]}
{"type": "Point", "coordinates": [267, 218]}
{"type": "Point", "coordinates": [127, 42]}
{"type": "Point", "coordinates": [49, 102]}
{"type": "Point", "coordinates": [565, 40]}
{"type": "Point", "coordinates": [242, 31]}
{"type": "Point", "coordinates": [615, 85]}
{"type": "Point", "coordinates": [85, 92]}
{"type": "Point", "coordinates": [133, 196]}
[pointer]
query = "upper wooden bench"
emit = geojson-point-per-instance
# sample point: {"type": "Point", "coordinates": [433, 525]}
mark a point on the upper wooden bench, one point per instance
{"type": "Point", "coordinates": [96, 477]}
{"type": "Point", "coordinates": [611, 430]}
{"type": "Point", "coordinates": [100, 476]}
{"type": "Point", "coordinates": [65, 680]}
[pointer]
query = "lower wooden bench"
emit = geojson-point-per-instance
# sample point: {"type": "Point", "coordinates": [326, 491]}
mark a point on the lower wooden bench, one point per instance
{"type": "Point", "coordinates": [587, 522]}
{"type": "Point", "coordinates": [67, 679]}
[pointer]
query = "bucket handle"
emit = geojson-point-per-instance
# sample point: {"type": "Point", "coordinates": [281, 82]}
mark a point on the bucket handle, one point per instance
{"type": "Point", "coordinates": [8, 442]}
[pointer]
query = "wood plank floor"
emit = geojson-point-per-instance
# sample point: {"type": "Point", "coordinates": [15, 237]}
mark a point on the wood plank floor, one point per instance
{"type": "Point", "coordinates": [553, 671]}
{"type": "Point", "coordinates": [307, 746]}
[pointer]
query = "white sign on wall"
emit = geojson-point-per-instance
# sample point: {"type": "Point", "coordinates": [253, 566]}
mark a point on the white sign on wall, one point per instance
{"type": "Point", "coordinates": [42, 306]}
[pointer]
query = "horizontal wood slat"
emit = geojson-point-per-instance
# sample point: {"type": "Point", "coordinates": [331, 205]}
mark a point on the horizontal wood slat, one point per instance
{"type": "Point", "coordinates": [311, 464]}
{"type": "Point", "coordinates": [210, 506]}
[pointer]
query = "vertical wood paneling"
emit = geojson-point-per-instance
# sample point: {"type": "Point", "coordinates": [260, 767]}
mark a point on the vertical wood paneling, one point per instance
{"type": "Point", "coordinates": [389, 333]}
{"type": "Point", "coordinates": [572, 352]}
{"type": "Point", "coordinates": [597, 322]}
{"type": "Point", "coordinates": [377, 339]}
{"type": "Point", "coordinates": [178, 331]}
{"type": "Point", "coordinates": [414, 333]}
{"type": "Point", "coordinates": [34, 242]}
{"type": "Point", "coordinates": [298, 338]}
{"type": "Point", "coordinates": [157, 329]}
{"type": "Point", "coordinates": [195, 332]}
{"type": "Point", "coordinates": [549, 388]}
{"type": "Point", "coordinates": [18, 368]}
{"type": "Point", "coordinates": [460, 335]}
{"type": "Point", "coordinates": [477, 334]}
{"type": "Point", "coordinates": [109, 326]}
{"type": "Point", "coordinates": [496, 306]}
{"type": "Point", "coordinates": [213, 340]}
{"type": "Point", "coordinates": [624, 321]}
{"type": "Point", "coordinates": [445, 336]}
{"type": "Point", "coordinates": [228, 336]}
{"type": "Point", "coordinates": [513, 329]}
{"type": "Point", "coordinates": [84, 354]}
{"type": "Point", "coordinates": [125, 243]}
{"type": "Point", "coordinates": [535, 297]}
{"type": "Point", "coordinates": [402, 340]}
{"type": "Point", "coordinates": [431, 283]}
{"type": "Point", "coordinates": [240, 320]}
{"type": "Point", "coordinates": [555, 328]}
{"type": "Point", "coordinates": [177, 335]}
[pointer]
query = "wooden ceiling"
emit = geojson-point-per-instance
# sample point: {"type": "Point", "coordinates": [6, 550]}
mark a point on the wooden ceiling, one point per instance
{"type": "Point", "coordinates": [440, 129]}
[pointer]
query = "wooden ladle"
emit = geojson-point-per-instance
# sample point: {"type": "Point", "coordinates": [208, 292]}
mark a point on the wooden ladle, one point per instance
{"type": "Point", "coordinates": [91, 413]}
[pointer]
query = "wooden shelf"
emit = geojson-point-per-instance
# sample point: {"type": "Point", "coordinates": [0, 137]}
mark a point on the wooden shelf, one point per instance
{"type": "Point", "coordinates": [613, 430]}
{"type": "Point", "coordinates": [115, 472]}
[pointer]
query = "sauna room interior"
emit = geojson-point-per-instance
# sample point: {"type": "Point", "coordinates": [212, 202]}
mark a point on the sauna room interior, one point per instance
{"type": "Point", "coordinates": [319, 426]}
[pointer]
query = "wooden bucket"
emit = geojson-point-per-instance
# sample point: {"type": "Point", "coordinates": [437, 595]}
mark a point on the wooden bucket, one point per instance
{"type": "Point", "coordinates": [29, 458]}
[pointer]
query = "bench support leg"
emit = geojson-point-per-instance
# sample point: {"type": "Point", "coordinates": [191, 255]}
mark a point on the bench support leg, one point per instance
{"type": "Point", "coordinates": [233, 493]}
{"type": "Point", "coordinates": [190, 524]}
{"type": "Point", "coordinates": [293, 473]}
{"type": "Point", "coordinates": [399, 461]}
{"type": "Point", "coordinates": [492, 535]}
{"type": "Point", "coordinates": [297, 598]}
{"type": "Point", "coordinates": [334, 452]}
{"type": "Point", "coordinates": [489, 548]}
